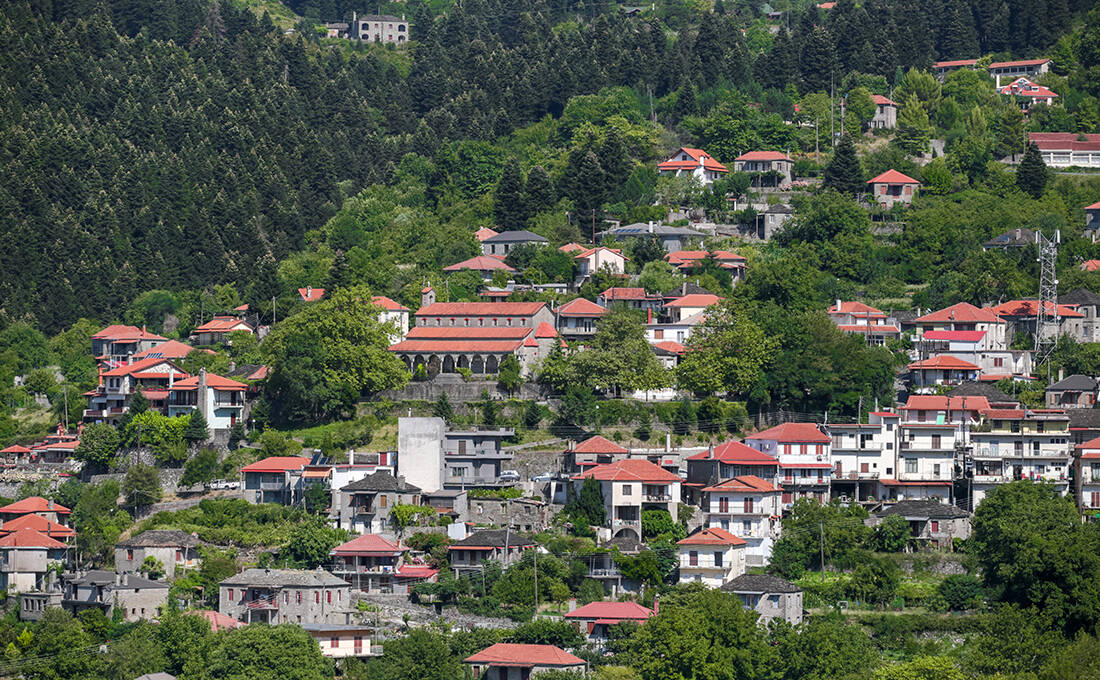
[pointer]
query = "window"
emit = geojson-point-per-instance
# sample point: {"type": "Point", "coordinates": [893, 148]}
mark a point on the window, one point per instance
{"type": "Point", "coordinates": [723, 504]}
{"type": "Point", "coordinates": [130, 556]}
{"type": "Point", "coordinates": [787, 449]}
{"type": "Point", "coordinates": [717, 559]}
{"type": "Point", "coordinates": [333, 643]}
{"type": "Point", "coordinates": [286, 598]}
{"type": "Point", "coordinates": [358, 644]}
{"type": "Point", "coordinates": [936, 441]}
{"type": "Point", "coordinates": [746, 526]}
{"type": "Point", "coordinates": [659, 334]}
{"type": "Point", "coordinates": [328, 596]}
{"type": "Point", "coordinates": [299, 597]}
{"type": "Point", "coordinates": [383, 500]}
{"type": "Point", "coordinates": [693, 558]}
{"type": "Point", "coordinates": [230, 594]}
{"type": "Point", "coordinates": [935, 526]}
{"type": "Point", "coordinates": [627, 490]}
{"type": "Point", "coordinates": [317, 597]}
{"type": "Point", "coordinates": [179, 555]}
{"type": "Point", "coordinates": [1095, 499]}
{"type": "Point", "coordinates": [998, 362]}
{"type": "Point", "coordinates": [748, 505]}
{"type": "Point", "coordinates": [936, 470]}
{"type": "Point", "coordinates": [910, 465]}
{"type": "Point", "coordinates": [802, 449]}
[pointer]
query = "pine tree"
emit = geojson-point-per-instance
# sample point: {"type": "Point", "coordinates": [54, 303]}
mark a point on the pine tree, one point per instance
{"type": "Point", "coordinates": [197, 431]}
{"type": "Point", "coordinates": [913, 127]}
{"type": "Point", "coordinates": [585, 183]}
{"type": "Point", "coordinates": [1032, 175]}
{"type": "Point", "coordinates": [843, 172]}
{"type": "Point", "coordinates": [339, 274]}
{"type": "Point", "coordinates": [509, 207]}
{"type": "Point", "coordinates": [540, 190]}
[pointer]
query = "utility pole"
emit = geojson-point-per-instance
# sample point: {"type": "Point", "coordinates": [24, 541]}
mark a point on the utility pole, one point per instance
{"type": "Point", "coordinates": [593, 226]}
{"type": "Point", "coordinates": [272, 310]}
{"type": "Point", "coordinates": [507, 531]}
{"type": "Point", "coordinates": [536, 580]}
{"type": "Point", "coordinates": [821, 526]}
{"type": "Point", "coordinates": [65, 389]}
{"type": "Point", "coordinates": [832, 94]}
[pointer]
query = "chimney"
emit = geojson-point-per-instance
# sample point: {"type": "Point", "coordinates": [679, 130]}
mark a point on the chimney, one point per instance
{"type": "Point", "coordinates": [657, 603]}
{"type": "Point", "coordinates": [125, 580]}
{"type": "Point", "coordinates": [668, 441]}
{"type": "Point", "coordinates": [838, 304]}
{"type": "Point", "coordinates": [309, 292]}
{"type": "Point", "coordinates": [49, 506]}
{"type": "Point", "coordinates": [232, 366]}
{"type": "Point", "coordinates": [572, 604]}
{"type": "Point", "coordinates": [1061, 374]}
{"type": "Point", "coordinates": [649, 315]}
{"type": "Point", "coordinates": [651, 227]}
{"type": "Point", "coordinates": [118, 579]}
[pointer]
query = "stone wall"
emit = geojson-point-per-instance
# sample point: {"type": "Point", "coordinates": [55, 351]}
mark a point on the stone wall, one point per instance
{"type": "Point", "coordinates": [457, 390]}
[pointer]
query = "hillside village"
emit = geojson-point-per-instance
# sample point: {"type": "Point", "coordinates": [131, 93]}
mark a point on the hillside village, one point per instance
{"type": "Point", "coordinates": [486, 341]}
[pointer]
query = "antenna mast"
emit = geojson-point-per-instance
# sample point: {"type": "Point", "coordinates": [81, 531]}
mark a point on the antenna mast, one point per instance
{"type": "Point", "coordinates": [1046, 316]}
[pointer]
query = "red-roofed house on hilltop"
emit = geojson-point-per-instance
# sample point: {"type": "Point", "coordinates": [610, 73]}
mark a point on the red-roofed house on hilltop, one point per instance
{"type": "Point", "coordinates": [1029, 93]}
{"type": "Point", "coordinates": [634, 298]}
{"type": "Point", "coordinates": [221, 400]}
{"type": "Point", "coordinates": [217, 330]}
{"type": "Point", "coordinates": [805, 463]}
{"type": "Point", "coordinates": [964, 316]}
{"type": "Point", "coordinates": [1067, 149]}
{"type": "Point", "coordinates": [576, 319]}
{"type": "Point", "coordinates": [631, 486]}
{"type": "Point", "coordinates": [116, 343]}
{"type": "Point", "coordinates": [276, 479]}
{"type": "Point", "coordinates": [886, 113]}
{"type": "Point", "coordinates": [711, 556]}
{"type": "Point", "coordinates": [593, 619]}
{"type": "Point", "coordinates": [511, 661]}
{"type": "Point", "coordinates": [750, 508]}
{"type": "Point", "coordinates": [861, 319]}
{"type": "Point", "coordinates": [693, 163]}
{"type": "Point", "coordinates": [942, 369]}
{"type": "Point", "coordinates": [769, 168]}
{"type": "Point", "coordinates": [892, 187]}
{"type": "Point", "coordinates": [1010, 70]}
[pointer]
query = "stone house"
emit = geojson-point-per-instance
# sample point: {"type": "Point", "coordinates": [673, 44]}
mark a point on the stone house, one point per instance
{"type": "Point", "coordinates": [36, 505]}
{"type": "Point", "coordinates": [504, 242]}
{"type": "Point", "coordinates": [930, 521]}
{"type": "Point", "coordinates": [471, 553]}
{"type": "Point", "coordinates": [771, 168]}
{"type": "Point", "coordinates": [138, 598]}
{"type": "Point", "coordinates": [771, 597]}
{"type": "Point", "coordinates": [892, 187]}
{"type": "Point", "coordinates": [522, 514]}
{"type": "Point", "coordinates": [174, 550]}
{"type": "Point", "coordinates": [364, 505]}
{"type": "Point", "coordinates": [276, 479]}
{"type": "Point", "coordinates": [1087, 303]}
{"type": "Point", "coordinates": [276, 596]}
{"type": "Point", "coordinates": [379, 28]}
{"type": "Point", "coordinates": [1075, 391]}
{"type": "Point", "coordinates": [886, 113]}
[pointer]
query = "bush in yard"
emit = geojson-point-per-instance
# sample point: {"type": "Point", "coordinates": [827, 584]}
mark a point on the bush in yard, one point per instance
{"type": "Point", "coordinates": [961, 591]}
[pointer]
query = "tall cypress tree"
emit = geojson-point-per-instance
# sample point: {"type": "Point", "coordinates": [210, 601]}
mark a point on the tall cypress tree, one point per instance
{"type": "Point", "coordinates": [843, 172]}
{"type": "Point", "coordinates": [1032, 175]}
{"type": "Point", "coordinates": [509, 208]}
{"type": "Point", "coordinates": [540, 190]}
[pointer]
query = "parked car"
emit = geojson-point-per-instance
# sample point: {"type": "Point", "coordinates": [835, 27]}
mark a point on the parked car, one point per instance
{"type": "Point", "coordinates": [509, 476]}
{"type": "Point", "coordinates": [223, 484]}
{"type": "Point", "coordinates": [545, 477]}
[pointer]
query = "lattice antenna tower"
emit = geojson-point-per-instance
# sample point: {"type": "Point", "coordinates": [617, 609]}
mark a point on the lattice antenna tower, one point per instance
{"type": "Point", "coordinates": [1046, 316]}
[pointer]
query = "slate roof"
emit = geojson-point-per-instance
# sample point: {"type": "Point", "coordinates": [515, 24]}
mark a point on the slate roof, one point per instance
{"type": "Point", "coordinates": [518, 236]}
{"type": "Point", "coordinates": [383, 480]}
{"type": "Point", "coordinates": [1080, 297]}
{"type": "Point", "coordinates": [283, 577]}
{"type": "Point", "coordinates": [493, 538]}
{"type": "Point", "coordinates": [923, 509]}
{"type": "Point", "coordinates": [760, 583]}
{"type": "Point", "coordinates": [1074, 383]}
{"type": "Point", "coordinates": [160, 538]}
{"type": "Point", "coordinates": [625, 544]}
{"type": "Point", "coordinates": [980, 389]}
{"type": "Point", "coordinates": [1084, 418]}
{"type": "Point", "coordinates": [101, 577]}
{"type": "Point", "coordinates": [1017, 238]}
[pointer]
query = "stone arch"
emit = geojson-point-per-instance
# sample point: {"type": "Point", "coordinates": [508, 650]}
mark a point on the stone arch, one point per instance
{"type": "Point", "coordinates": [477, 366]}
{"type": "Point", "coordinates": [463, 361]}
{"type": "Point", "coordinates": [627, 532]}
{"type": "Point", "coordinates": [492, 364]}
{"type": "Point", "coordinates": [448, 364]}
{"type": "Point", "coordinates": [434, 365]}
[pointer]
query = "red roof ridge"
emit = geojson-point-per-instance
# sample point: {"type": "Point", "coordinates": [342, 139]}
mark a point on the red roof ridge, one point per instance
{"type": "Point", "coordinates": [515, 654]}
{"type": "Point", "coordinates": [892, 177]}
{"type": "Point", "coordinates": [277, 464]}
{"type": "Point", "coordinates": [598, 444]}
{"type": "Point", "coordinates": [711, 536]}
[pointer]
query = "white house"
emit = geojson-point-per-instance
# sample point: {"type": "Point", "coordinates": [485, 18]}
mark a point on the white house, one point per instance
{"type": "Point", "coordinates": [1018, 443]}
{"type": "Point", "coordinates": [631, 486]}
{"type": "Point", "coordinates": [221, 400]}
{"type": "Point", "coordinates": [864, 453]}
{"type": "Point", "coordinates": [393, 312]}
{"type": "Point", "coordinates": [711, 556]}
{"type": "Point", "coordinates": [1032, 68]}
{"type": "Point", "coordinates": [694, 163]}
{"type": "Point", "coordinates": [1088, 455]}
{"type": "Point", "coordinates": [749, 507]}
{"type": "Point", "coordinates": [689, 305]}
{"type": "Point", "coordinates": [805, 463]}
{"type": "Point", "coordinates": [597, 259]}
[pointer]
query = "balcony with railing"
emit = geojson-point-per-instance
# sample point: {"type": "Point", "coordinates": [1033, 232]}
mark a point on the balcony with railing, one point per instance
{"type": "Point", "coordinates": [1023, 452]}
{"type": "Point", "coordinates": [854, 476]}
{"type": "Point", "coordinates": [803, 481]}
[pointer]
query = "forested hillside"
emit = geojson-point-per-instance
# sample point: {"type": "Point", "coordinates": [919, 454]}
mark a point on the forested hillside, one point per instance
{"type": "Point", "coordinates": [178, 145]}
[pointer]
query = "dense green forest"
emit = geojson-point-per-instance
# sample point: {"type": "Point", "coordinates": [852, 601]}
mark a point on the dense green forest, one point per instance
{"type": "Point", "coordinates": [179, 145]}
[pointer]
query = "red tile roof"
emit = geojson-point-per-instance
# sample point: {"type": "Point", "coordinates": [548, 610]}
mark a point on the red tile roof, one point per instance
{"type": "Point", "coordinates": [227, 324]}
{"type": "Point", "coordinates": [763, 156]}
{"type": "Point", "coordinates": [37, 523]}
{"type": "Point", "coordinates": [1094, 206]}
{"type": "Point", "coordinates": [277, 464]}
{"type": "Point", "coordinates": [883, 101]}
{"type": "Point", "coordinates": [1023, 87]}
{"type": "Point", "coordinates": [29, 538]}
{"type": "Point", "coordinates": [530, 342]}
{"type": "Point", "coordinates": [711, 536]}
{"type": "Point", "coordinates": [581, 307]}
{"type": "Point", "coordinates": [962, 312]}
{"type": "Point", "coordinates": [1005, 413]}
{"type": "Point", "coordinates": [680, 258]}
{"type": "Point", "coordinates": [217, 620]}
{"type": "Point", "coordinates": [589, 252]}
{"type": "Point", "coordinates": [1091, 265]}
{"type": "Point", "coordinates": [695, 300]}
{"type": "Point", "coordinates": [932, 402]}
{"type": "Point", "coordinates": [612, 294]}
{"type": "Point", "coordinates": [793, 432]}
{"type": "Point", "coordinates": [416, 571]}
{"type": "Point", "coordinates": [954, 336]}
{"type": "Point", "coordinates": [598, 444]}
{"type": "Point", "coordinates": [864, 328]}
{"type": "Point", "coordinates": [942, 362]}
{"type": "Point", "coordinates": [446, 346]}
{"type": "Point", "coordinates": [140, 366]}
{"type": "Point", "coordinates": [857, 309]}
{"type": "Point", "coordinates": [173, 349]}
{"type": "Point", "coordinates": [311, 295]}
{"type": "Point", "coordinates": [1022, 62]}
{"type": "Point", "coordinates": [629, 470]}
{"type": "Point", "coordinates": [15, 448]}
{"type": "Point", "coordinates": [368, 544]}
{"type": "Point", "coordinates": [622, 611]}
{"type": "Point", "coordinates": [213, 380]}
{"type": "Point", "coordinates": [827, 5]}
{"type": "Point", "coordinates": [670, 346]}
{"type": "Point", "coordinates": [892, 177]}
{"type": "Point", "coordinates": [388, 304]}
{"type": "Point", "coordinates": [1031, 308]}
{"type": "Point", "coordinates": [484, 233]}
{"type": "Point", "coordinates": [545, 330]}
{"type": "Point", "coordinates": [955, 63]}
{"type": "Point", "coordinates": [512, 654]}
{"type": "Point", "coordinates": [481, 263]}
{"type": "Point", "coordinates": [1064, 141]}
{"type": "Point", "coordinates": [1090, 444]}
{"type": "Point", "coordinates": [33, 504]}
{"type": "Point", "coordinates": [698, 156]}
{"type": "Point", "coordinates": [744, 483]}
{"type": "Point", "coordinates": [123, 332]}
{"type": "Point", "coordinates": [735, 452]}
{"type": "Point", "coordinates": [481, 309]}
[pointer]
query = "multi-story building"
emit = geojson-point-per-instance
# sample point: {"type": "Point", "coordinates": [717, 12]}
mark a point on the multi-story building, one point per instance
{"type": "Point", "coordinates": [475, 458]}
{"type": "Point", "coordinates": [285, 596]}
{"type": "Point", "coordinates": [471, 553]}
{"type": "Point", "coordinates": [138, 598]}
{"type": "Point", "coordinates": [27, 557]}
{"type": "Point", "coordinates": [378, 28]}
{"type": "Point", "coordinates": [770, 596]}
{"type": "Point", "coordinates": [1013, 444]}
{"type": "Point", "coordinates": [375, 564]}
{"type": "Point", "coordinates": [393, 312]}
{"type": "Point", "coordinates": [630, 487]}
{"type": "Point", "coordinates": [364, 506]}
{"type": "Point", "coordinates": [1010, 70]}
{"type": "Point", "coordinates": [966, 317]}
{"type": "Point", "coordinates": [725, 461]}
{"type": "Point", "coordinates": [577, 319]}
{"type": "Point", "coordinates": [115, 344]}
{"type": "Point", "coordinates": [694, 163]}
{"type": "Point", "coordinates": [933, 430]}
{"type": "Point", "coordinates": [748, 507]}
{"type": "Point", "coordinates": [713, 557]}
{"type": "Point", "coordinates": [154, 376]}
{"type": "Point", "coordinates": [173, 549]}
{"type": "Point", "coordinates": [862, 319]}
{"type": "Point", "coordinates": [891, 188]}
{"type": "Point", "coordinates": [276, 479]}
{"type": "Point", "coordinates": [805, 459]}
{"type": "Point", "coordinates": [863, 454]}
{"type": "Point", "coordinates": [768, 168]}
{"type": "Point", "coordinates": [1088, 475]}
{"type": "Point", "coordinates": [220, 400]}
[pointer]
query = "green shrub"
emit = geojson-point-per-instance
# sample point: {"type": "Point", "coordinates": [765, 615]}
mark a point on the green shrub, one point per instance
{"type": "Point", "coordinates": [961, 591]}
